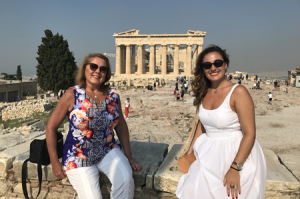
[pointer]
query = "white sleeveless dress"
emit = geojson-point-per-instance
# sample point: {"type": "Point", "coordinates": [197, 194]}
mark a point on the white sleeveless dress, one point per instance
{"type": "Point", "coordinates": [215, 150]}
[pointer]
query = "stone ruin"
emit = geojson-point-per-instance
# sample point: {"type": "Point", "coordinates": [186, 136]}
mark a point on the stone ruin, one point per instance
{"type": "Point", "coordinates": [24, 108]}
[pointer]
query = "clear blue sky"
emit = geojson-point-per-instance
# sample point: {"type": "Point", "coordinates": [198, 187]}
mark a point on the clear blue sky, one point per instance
{"type": "Point", "coordinates": [258, 35]}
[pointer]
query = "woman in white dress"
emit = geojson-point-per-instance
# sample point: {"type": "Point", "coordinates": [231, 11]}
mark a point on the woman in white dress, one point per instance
{"type": "Point", "coordinates": [229, 160]}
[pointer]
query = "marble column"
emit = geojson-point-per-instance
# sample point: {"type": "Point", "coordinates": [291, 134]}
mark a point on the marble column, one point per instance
{"type": "Point", "coordinates": [164, 60]}
{"type": "Point", "coordinates": [199, 49]}
{"type": "Point", "coordinates": [143, 60]}
{"type": "Point", "coordinates": [128, 63]}
{"type": "Point", "coordinates": [118, 59]}
{"type": "Point", "coordinates": [140, 59]}
{"type": "Point", "coordinates": [188, 70]}
{"type": "Point", "coordinates": [152, 60]}
{"type": "Point", "coordinates": [132, 58]}
{"type": "Point", "coordinates": [176, 60]}
{"type": "Point", "coordinates": [123, 59]}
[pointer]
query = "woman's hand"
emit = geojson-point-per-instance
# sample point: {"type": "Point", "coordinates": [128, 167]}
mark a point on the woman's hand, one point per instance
{"type": "Point", "coordinates": [134, 164]}
{"type": "Point", "coordinates": [232, 178]}
{"type": "Point", "coordinates": [58, 171]}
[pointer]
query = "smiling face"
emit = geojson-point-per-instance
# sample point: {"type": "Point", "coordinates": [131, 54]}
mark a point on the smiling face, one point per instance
{"type": "Point", "coordinates": [214, 73]}
{"type": "Point", "coordinates": [95, 77]}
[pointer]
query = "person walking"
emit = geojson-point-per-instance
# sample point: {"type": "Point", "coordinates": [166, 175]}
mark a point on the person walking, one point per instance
{"type": "Point", "coordinates": [229, 161]}
{"type": "Point", "coordinates": [182, 93]}
{"type": "Point", "coordinates": [186, 87]}
{"type": "Point", "coordinates": [178, 95]}
{"type": "Point", "coordinates": [258, 85]}
{"type": "Point", "coordinates": [127, 105]}
{"type": "Point", "coordinates": [275, 84]}
{"type": "Point", "coordinates": [94, 112]}
{"type": "Point", "coordinates": [270, 97]}
{"type": "Point", "coordinates": [174, 94]}
{"type": "Point", "coordinates": [154, 86]}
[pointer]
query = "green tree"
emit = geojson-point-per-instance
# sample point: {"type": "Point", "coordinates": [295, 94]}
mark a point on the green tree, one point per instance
{"type": "Point", "coordinates": [19, 73]}
{"type": "Point", "coordinates": [56, 63]}
{"type": "Point", "coordinates": [8, 76]}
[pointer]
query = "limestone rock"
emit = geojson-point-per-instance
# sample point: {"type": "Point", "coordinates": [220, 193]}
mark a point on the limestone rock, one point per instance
{"type": "Point", "coordinates": [3, 126]}
{"type": "Point", "coordinates": [279, 188]}
{"type": "Point", "coordinates": [5, 165]}
{"type": "Point", "coordinates": [32, 169]}
{"type": "Point", "coordinates": [292, 162]}
{"type": "Point", "coordinates": [275, 170]}
{"type": "Point", "coordinates": [141, 152]}
{"type": "Point", "coordinates": [150, 177]}
{"type": "Point", "coordinates": [167, 176]}
{"type": "Point", "coordinates": [24, 108]}
{"type": "Point", "coordinates": [39, 125]}
{"type": "Point", "coordinates": [3, 187]}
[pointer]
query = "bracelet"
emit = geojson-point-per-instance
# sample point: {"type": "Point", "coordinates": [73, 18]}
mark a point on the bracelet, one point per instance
{"type": "Point", "coordinates": [234, 168]}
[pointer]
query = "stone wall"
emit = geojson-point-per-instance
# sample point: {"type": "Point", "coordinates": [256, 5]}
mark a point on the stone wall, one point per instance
{"type": "Point", "coordinates": [20, 87]}
{"type": "Point", "coordinates": [23, 108]}
{"type": "Point", "coordinates": [30, 88]}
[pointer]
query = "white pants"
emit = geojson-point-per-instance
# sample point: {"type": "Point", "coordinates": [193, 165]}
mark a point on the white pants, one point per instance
{"type": "Point", "coordinates": [85, 180]}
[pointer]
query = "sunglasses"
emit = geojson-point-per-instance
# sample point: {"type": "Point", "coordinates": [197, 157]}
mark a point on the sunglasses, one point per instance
{"type": "Point", "coordinates": [218, 63]}
{"type": "Point", "coordinates": [94, 67]}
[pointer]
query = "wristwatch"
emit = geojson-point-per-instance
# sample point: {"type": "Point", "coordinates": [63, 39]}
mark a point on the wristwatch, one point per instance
{"type": "Point", "coordinates": [239, 165]}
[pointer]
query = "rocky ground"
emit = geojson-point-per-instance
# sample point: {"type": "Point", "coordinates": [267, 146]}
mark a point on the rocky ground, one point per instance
{"type": "Point", "coordinates": [155, 117]}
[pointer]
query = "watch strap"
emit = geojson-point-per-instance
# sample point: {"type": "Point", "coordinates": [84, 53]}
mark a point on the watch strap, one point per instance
{"type": "Point", "coordinates": [234, 163]}
{"type": "Point", "coordinates": [234, 168]}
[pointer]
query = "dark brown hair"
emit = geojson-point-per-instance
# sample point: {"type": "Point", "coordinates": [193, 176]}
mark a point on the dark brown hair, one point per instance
{"type": "Point", "coordinates": [200, 83]}
{"type": "Point", "coordinates": [80, 77]}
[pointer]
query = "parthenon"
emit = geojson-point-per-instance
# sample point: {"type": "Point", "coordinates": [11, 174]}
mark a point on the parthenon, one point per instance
{"type": "Point", "coordinates": [169, 54]}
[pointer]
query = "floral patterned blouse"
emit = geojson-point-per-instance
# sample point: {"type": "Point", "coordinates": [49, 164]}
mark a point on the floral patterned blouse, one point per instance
{"type": "Point", "coordinates": [91, 134]}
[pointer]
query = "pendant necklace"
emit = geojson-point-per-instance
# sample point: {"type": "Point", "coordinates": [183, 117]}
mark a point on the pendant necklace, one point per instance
{"type": "Point", "coordinates": [95, 95]}
{"type": "Point", "coordinates": [218, 89]}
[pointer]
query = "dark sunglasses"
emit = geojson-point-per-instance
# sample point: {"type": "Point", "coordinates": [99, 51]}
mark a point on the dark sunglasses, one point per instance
{"type": "Point", "coordinates": [94, 67]}
{"type": "Point", "coordinates": [218, 63]}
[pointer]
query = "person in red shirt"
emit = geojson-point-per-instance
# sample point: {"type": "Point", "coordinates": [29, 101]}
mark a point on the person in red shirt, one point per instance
{"type": "Point", "coordinates": [127, 105]}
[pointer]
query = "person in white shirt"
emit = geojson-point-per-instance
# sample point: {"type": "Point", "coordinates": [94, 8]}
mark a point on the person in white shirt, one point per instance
{"type": "Point", "coordinates": [186, 87]}
{"type": "Point", "coordinates": [127, 105]}
{"type": "Point", "coordinates": [270, 98]}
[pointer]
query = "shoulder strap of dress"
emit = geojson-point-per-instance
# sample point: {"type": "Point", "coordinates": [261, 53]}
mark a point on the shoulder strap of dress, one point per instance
{"type": "Point", "coordinates": [231, 91]}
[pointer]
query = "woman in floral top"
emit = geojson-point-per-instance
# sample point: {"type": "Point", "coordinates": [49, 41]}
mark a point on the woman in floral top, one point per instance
{"type": "Point", "coordinates": [94, 111]}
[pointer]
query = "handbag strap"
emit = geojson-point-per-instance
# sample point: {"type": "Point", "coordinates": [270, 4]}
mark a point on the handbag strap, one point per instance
{"type": "Point", "coordinates": [39, 170]}
{"type": "Point", "coordinates": [24, 177]}
{"type": "Point", "coordinates": [39, 167]}
{"type": "Point", "coordinates": [195, 118]}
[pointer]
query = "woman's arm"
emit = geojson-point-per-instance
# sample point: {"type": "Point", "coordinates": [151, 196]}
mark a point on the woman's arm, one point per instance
{"type": "Point", "coordinates": [123, 135]}
{"type": "Point", "coordinates": [244, 107]}
{"type": "Point", "coordinates": [242, 104]}
{"type": "Point", "coordinates": [64, 105]}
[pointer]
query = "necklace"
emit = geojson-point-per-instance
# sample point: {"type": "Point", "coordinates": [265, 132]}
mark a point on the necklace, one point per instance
{"type": "Point", "coordinates": [95, 95]}
{"type": "Point", "coordinates": [219, 89]}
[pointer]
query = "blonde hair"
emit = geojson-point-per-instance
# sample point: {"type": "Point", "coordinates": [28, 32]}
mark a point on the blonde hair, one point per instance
{"type": "Point", "coordinates": [80, 77]}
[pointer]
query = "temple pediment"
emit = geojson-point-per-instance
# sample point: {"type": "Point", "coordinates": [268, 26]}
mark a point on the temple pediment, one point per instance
{"type": "Point", "coordinates": [129, 32]}
{"type": "Point", "coordinates": [197, 32]}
